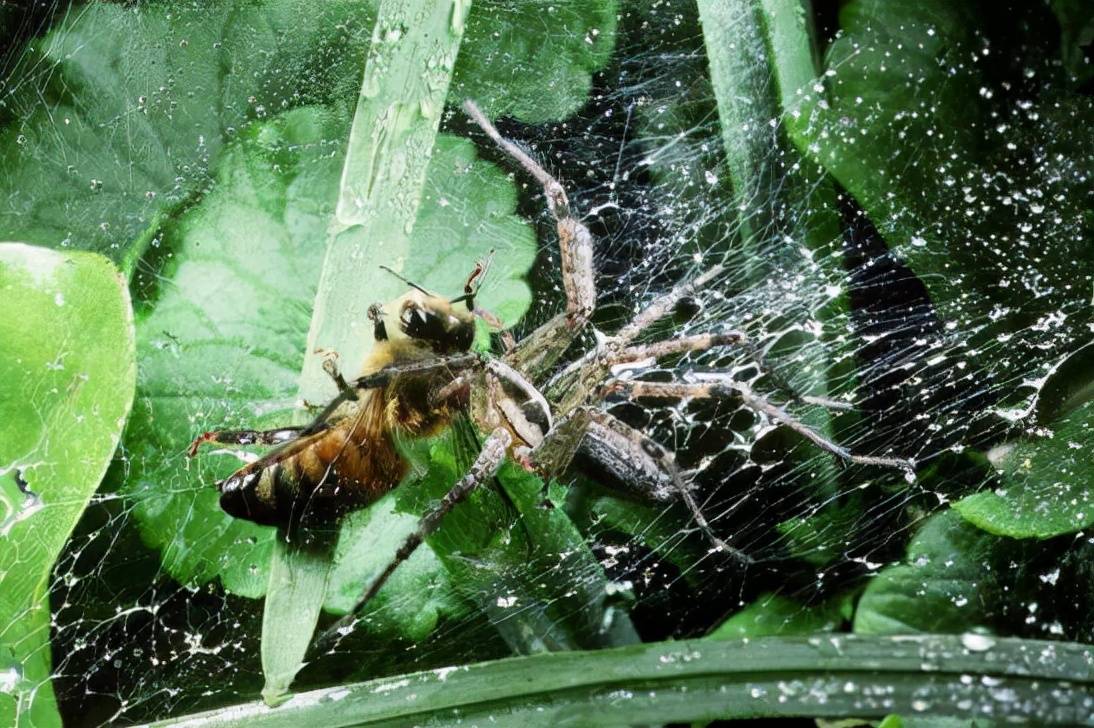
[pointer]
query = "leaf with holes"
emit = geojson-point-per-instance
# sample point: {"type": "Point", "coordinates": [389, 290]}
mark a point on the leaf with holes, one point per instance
{"type": "Point", "coordinates": [67, 370]}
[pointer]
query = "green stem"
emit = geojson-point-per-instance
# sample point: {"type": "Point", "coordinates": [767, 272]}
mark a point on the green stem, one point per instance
{"type": "Point", "coordinates": [406, 79]}
{"type": "Point", "coordinates": [834, 676]}
{"type": "Point", "coordinates": [733, 42]}
{"type": "Point", "coordinates": [407, 74]}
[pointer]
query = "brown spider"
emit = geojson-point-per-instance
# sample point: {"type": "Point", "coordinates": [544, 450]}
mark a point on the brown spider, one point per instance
{"type": "Point", "coordinates": [421, 374]}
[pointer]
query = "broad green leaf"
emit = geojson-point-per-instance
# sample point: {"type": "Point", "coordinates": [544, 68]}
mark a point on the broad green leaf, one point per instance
{"type": "Point", "coordinates": [956, 138]}
{"type": "Point", "coordinates": [1046, 483]}
{"type": "Point", "coordinates": [773, 614]}
{"type": "Point", "coordinates": [531, 60]}
{"type": "Point", "coordinates": [823, 537]}
{"type": "Point", "coordinates": [1076, 18]}
{"type": "Point", "coordinates": [663, 529]}
{"type": "Point", "coordinates": [223, 344]}
{"type": "Point", "coordinates": [122, 110]}
{"type": "Point", "coordinates": [67, 373]}
{"type": "Point", "coordinates": [950, 581]}
{"type": "Point", "coordinates": [418, 594]}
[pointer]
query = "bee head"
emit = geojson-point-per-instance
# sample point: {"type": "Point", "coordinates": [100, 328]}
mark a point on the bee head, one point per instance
{"type": "Point", "coordinates": [427, 319]}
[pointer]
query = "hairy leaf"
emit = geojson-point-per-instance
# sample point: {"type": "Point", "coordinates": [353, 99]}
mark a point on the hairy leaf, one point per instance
{"type": "Point", "coordinates": [948, 125]}
{"type": "Point", "coordinates": [950, 581]}
{"type": "Point", "coordinates": [533, 60]}
{"type": "Point", "coordinates": [1046, 483]}
{"type": "Point", "coordinates": [120, 113]}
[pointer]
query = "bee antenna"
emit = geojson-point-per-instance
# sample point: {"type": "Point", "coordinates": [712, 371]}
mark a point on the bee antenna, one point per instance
{"type": "Point", "coordinates": [406, 280]}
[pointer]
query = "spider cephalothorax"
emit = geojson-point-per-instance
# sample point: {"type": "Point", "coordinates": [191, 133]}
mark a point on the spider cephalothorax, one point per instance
{"type": "Point", "coordinates": [421, 373]}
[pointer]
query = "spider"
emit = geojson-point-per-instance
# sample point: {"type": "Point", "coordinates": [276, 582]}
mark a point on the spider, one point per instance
{"type": "Point", "coordinates": [421, 374]}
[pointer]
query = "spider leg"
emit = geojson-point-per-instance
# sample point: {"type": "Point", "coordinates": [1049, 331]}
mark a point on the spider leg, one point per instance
{"type": "Point", "coordinates": [684, 344]}
{"type": "Point", "coordinates": [483, 469]}
{"type": "Point", "coordinates": [725, 387]}
{"type": "Point", "coordinates": [663, 305]}
{"type": "Point", "coordinates": [575, 385]}
{"type": "Point", "coordinates": [535, 354]}
{"type": "Point", "coordinates": [245, 437]}
{"type": "Point", "coordinates": [385, 375]}
{"type": "Point", "coordinates": [633, 456]}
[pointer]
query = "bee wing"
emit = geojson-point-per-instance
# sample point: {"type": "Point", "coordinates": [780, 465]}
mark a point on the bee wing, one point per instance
{"type": "Point", "coordinates": [282, 452]}
{"type": "Point", "coordinates": [331, 415]}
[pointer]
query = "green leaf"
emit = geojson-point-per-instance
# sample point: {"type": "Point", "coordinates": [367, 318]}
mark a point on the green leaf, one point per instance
{"type": "Point", "coordinates": [773, 614]}
{"type": "Point", "coordinates": [368, 540]}
{"type": "Point", "coordinates": [703, 680]}
{"type": "Point", "coordinates": [668, 531]}
{"type": "Point", "coordinates": [298, 582]}
{"type": "Point", "coordinates": [67, 374]}
{"type": "Point", "coordinates": [533, 61]}
{"type": "Point", "coordinates": [823, 537]}
{"type": "Point", "coordinates": [391, 141]}
{"type": "Point", "coordinates": [125, 108]}
{"type": "Point", "coordinates": [927, 115]}
{"type": "Point", "coordinates": [223, 344]}
{"type": "Point", "coordinates": [1046, 483]}
{"type": "Point", "coordinates": [951, 580]}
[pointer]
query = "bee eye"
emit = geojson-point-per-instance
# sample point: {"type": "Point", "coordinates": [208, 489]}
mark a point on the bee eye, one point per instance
{"type": "Point", "coordinates": [417, 322]}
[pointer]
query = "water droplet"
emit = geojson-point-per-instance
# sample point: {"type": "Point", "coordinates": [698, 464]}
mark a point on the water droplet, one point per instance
{"type": "Point", "coordinates": [9, 679]}
{"type": "Point", "coordinates": [977, 642]}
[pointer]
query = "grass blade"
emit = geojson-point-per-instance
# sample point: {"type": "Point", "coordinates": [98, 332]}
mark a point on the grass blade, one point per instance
{"type": "Point", "coordinates": [830, 676]}
{"type": "Point", "coordinates": [407, 73]}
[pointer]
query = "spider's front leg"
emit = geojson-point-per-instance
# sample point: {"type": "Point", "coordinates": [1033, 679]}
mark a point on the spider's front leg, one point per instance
{"type": "Point", "coordinates": [631, 457]}
{"type": "Point", "coordinates": [483, 469]}
{"type": "Point", "coordinates": [537, 352]}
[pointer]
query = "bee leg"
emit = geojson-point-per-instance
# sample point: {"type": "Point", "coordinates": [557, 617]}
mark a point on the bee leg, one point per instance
{"type": "Point", "coordinates": [454, 363]}
{"type": "Point", "coordinates": [330, 366]}
{"type": "Point", "coordinates": [244, 437]}
{"type": "Point", "coordinates": [482, 470]}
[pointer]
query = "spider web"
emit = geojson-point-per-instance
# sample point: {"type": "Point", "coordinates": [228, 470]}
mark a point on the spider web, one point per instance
{"type": "Point", "coordinates": [932, 373]}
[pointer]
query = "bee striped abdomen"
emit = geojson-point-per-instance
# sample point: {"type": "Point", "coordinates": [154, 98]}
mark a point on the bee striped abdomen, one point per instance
{"type": "Point", "coordinates": [324, 475]}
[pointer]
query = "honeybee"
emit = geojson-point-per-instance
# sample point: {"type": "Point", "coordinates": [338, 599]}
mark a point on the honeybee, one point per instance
{"type": "Point", "coordinates": [348, 457]}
